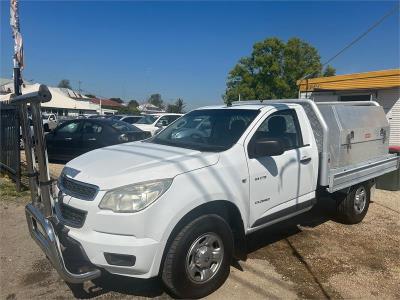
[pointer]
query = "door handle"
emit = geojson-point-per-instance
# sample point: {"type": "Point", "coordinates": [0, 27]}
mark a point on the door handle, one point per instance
{"type": "Point", "coordinates": [92, 139]}
{"type": "Point", "coordinates": [305, 159]}
{"type": "Point", "coordinates": [68, 139]}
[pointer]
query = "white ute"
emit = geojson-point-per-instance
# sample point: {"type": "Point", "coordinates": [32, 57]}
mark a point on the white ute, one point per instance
{"type": "Point", "coordinates": [154, 123]}
{"type": "Point", "coordinates": [179, 206]}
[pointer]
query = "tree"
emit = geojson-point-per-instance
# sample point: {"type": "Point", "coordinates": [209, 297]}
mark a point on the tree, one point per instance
{"type": "Point", "coordinates": [64, 83]}
{"type": "Point", "coordinates": [156, 100]}
{"type": "Point", "coordinates": [177, 107]}
{"type": "Point", "coordinates": [133, 103]}
{"type": "Point", "coordinates": [128, 110]}
{"type": "Point", "coordinates": [329, 71]}
{"type": "Point", "coordinates": [272, 70]}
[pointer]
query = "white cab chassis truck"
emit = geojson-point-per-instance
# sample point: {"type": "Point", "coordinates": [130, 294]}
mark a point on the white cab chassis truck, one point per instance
{"type": "Point", "coordinates": [180, 204]}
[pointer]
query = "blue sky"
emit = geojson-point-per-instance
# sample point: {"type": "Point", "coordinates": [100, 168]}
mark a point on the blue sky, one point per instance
{"type": "Point", "coordinates": [185, 49]}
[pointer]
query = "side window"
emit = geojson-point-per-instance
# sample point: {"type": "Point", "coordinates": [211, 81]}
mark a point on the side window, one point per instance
{"type": "Point", "coordinates": [72, 127]}
{"type": "Point", "coordinates": [282, 125]}
{"type": "Point", "coordinates": [92, 128]}
{"type": "Point", "coordinates": [163, 121]}
{"type": "Point", "coordinates": [172, 119]}
{"type": "Point", "coordinates": [129, 120]}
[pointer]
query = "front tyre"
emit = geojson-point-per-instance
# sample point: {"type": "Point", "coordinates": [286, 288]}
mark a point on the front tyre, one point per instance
{"type": "Point", "coordinates": [198, 259]}
{"type": "Point", "coordinates": [352, 208]}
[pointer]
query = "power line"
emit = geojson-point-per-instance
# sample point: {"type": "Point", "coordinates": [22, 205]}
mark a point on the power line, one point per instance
{"type": "Point", "coordinates": [376, 24]}
{"type": "Point", "coordinates": [358, 38]}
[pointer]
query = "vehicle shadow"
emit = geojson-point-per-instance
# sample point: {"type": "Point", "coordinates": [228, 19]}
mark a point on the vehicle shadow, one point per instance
{"type": "Point", "coordinates": [112, 285]}
{"type": "Point", "coordinates": [322, 212]}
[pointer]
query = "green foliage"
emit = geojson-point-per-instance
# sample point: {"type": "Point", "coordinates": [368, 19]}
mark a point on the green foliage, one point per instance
{"type": "Point", "coordinates": [272, 70]}
{"type": "Point", "coordinates": [177, 107]}
{"type": "Point", "coordinates": [8, 191]}
{"type": "Point", "coordinates": [329, 71]}
{"type": "Point", "coordinates": [131, 108]}
{"type": "Point", "coordinates": [133, 103]}
{"type": "Point", "coordinates": [156, 100]}
{"type": "Point", "coordinates": [64, 83]}
{"type": "Point", "coordinates": [128, 110]}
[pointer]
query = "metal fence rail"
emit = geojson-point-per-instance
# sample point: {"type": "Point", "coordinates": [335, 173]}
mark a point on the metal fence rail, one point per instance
{"type": "Point", "coordinates": [10, 160]}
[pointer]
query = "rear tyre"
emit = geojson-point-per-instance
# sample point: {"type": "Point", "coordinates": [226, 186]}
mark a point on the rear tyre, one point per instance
{"type": "Point", "coordinates": [198, 260]}
{"type": "Point", "coordinates": [352, 208]}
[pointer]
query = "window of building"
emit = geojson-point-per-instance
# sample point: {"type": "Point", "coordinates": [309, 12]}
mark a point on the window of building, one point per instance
{"type": "Point", "coordinates": [366, 97]}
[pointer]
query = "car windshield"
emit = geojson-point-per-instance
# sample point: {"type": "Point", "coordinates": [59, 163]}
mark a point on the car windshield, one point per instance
{"type": "Point", "coordinates": [149, 119]}
{"type": "Point", "coordinates": [116, 117]}
{"type": "Point", "coordinates": [123, 126]}
{"type": "Point", "coordinates": [207, 129]}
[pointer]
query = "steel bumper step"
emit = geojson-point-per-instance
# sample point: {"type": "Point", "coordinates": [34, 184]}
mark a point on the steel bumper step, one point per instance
{"type": "Point", "coordinates": [43, 232]}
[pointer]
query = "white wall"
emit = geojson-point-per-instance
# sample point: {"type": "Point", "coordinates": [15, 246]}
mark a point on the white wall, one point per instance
{"type": "Point", "coordinates": [390, 101]}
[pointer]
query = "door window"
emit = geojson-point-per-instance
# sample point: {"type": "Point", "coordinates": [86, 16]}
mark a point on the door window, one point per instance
{"type": "Point", "coordinates": [163, 121]}
{"type": "Point", "coordinates": [130, 120]}
{"type": "Point", "coordinates": [282, 125]}
{"type": "Point", "coordinates": [172, 118]}
{"type": "Point", "coordinates": [92, 128]}
{"type": "Point", "coordinates": [72, 127]}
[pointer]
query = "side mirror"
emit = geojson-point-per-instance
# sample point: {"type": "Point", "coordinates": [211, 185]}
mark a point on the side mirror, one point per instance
{"type": "Point", "coordinates": [266, 147]}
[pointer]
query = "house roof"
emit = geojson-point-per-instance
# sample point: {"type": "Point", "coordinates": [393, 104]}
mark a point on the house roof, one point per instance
{"type": "Point", "coordinates": [58, 98]}
{"type": "Point", "coordinates": [357, 81]}
{"type": "Point", "coordinates": [148, 107]}
{"type": "Point", "coordinates": [106, 102]}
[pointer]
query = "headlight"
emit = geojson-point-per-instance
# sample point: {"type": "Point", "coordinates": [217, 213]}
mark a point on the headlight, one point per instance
{"type": "Point", "coordinates": [135, 197]}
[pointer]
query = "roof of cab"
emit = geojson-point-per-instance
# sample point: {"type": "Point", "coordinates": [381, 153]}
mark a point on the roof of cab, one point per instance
{"type": "Point", "coordinates": [250, 104]}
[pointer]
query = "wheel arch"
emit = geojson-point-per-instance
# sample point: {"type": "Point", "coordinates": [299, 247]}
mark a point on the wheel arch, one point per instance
{"type": "Point", "coordinates": [223, 208]}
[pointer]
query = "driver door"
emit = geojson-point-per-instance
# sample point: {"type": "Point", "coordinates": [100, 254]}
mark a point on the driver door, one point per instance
{"type": "Point", "coordinates": [278, 183]}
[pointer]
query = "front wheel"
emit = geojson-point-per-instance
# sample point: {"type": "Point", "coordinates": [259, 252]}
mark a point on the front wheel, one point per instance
{"type": "Point", "coordinates": [352, 208]}
{"type": "Point", "coordinates": [198, 260]}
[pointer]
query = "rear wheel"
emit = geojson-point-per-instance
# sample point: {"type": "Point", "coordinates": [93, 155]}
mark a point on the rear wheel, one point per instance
{"type": "Point", "coordinates": [198, 260]}
{"type": "Point", "coordinates": [352, 208]}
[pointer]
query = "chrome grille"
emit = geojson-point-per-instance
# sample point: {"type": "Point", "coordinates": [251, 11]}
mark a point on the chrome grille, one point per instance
{"type": "Point", "coordinates": [70, 216]}
{"type": "Point", "coordinates": [77, 189]}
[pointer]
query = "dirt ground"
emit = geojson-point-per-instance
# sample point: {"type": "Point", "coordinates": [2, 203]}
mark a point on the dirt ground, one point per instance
{"type": "Point", "coordinates": [310, 257]}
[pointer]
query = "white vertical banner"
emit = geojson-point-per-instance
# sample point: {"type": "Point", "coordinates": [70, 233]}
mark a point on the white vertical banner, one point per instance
{"type": "Point", "coordinates": [18, 45]}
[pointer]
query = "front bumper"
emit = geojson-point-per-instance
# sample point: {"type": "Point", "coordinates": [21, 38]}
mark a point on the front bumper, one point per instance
{"type": "Point", "coordinates": [53, 239]}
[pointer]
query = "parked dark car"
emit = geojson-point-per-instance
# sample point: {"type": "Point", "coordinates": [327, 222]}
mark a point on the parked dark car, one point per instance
{"type": "Point", "coordinates": [75, 137]}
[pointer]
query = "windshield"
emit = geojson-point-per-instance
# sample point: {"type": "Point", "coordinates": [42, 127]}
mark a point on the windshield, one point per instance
{"type": "Point", "coordinates": [149, 119]}
{"type": "Point", "coordinates": [123, 126]}
{"type": "Point", "coordinates": [207, 130]}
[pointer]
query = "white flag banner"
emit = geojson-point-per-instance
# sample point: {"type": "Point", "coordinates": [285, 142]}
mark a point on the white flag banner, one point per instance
{"type": "Point", "coordinates": [14, 22]}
